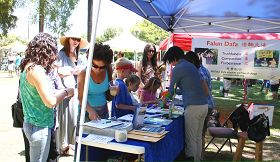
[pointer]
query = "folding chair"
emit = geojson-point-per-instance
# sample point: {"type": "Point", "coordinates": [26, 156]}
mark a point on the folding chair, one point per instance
{"type": "Point", "coordinates": [229, 128]}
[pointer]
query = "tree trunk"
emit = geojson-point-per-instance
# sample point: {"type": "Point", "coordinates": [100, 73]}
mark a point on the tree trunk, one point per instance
{"type": "Point", "coordinates": [89, 25]}
{"type": "Point", "coordinates": [41, 15]}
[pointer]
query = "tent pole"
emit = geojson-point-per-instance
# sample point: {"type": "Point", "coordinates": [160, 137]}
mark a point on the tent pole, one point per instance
{"type": "Point", "coordinates": [134, 58]}
{"type": "Point", "coordinates": [168, 66]}
{"type": "Point", "coordinates": [89, 64]}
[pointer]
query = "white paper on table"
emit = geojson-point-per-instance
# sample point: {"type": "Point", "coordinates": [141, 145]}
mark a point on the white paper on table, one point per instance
{"type": "Point", "coordinates": [127, 117]}
{"type": "Point", "coordinates": [98, 138]}
{"type": "Point", "coordinates": [154, 110]}
{"type": "Point", "coordinates": [103, 123]}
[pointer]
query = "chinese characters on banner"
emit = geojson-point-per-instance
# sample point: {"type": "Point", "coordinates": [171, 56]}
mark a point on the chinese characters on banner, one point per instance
{"type": "Point", "coordinates": [231, 58]}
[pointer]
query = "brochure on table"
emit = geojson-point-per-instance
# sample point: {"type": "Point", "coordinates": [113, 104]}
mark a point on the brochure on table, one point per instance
{"type": "Point", "coordinates": [102, 123]}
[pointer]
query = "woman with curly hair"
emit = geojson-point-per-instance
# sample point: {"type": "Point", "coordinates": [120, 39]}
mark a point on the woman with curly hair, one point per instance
{"type": "Point", "coordinates": [101, 74]}
{"type": "Point", "coordinates": [37, 98]}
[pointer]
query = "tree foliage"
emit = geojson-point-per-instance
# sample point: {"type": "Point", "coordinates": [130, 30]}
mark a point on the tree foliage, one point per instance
{"type": "Point", "coordinates": [4, 41]}
{"type": "Point", "coordinates": [149, 32]}
{"type": "Point", "coordinates": [54, 14]}
{"type": "Point", "coordinates": [57, 14]}
{"type": "Point", "coordinates": [7, 19]}
{"type": "Point", "coordinates": [108, 34]}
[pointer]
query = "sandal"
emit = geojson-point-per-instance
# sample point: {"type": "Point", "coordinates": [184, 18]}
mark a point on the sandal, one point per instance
{"type": "Point", "coordinates": [64, 151]}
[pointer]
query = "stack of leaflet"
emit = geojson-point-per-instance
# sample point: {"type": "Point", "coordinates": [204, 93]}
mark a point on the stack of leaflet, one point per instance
{"type": "Point", "coordinates": [106, 127]}
{"type": "Point", "coordinates": [157, 121]}
{"type": "Point", "coordinates": [150, 129]}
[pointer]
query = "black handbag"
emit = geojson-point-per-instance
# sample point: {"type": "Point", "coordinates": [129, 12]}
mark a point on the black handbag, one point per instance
{"type": "Point", "coordinates": [258, 128]}
{"type": "Point", "coordinates": [17, 114]}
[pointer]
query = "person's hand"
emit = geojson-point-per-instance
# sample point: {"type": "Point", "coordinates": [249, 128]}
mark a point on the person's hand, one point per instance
{"type": "Point", "coordinates": [70, 92]}
{"type": "Point", "coordinates": [76, 70]}
{"type": "Point", "coordinates": [93, 115]}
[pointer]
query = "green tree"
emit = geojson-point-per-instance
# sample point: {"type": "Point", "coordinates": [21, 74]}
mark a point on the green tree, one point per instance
{"type": "Point", "coordinates": [108, 34]}
{"type": "Point", "coordinates": [7, 19]}
{"type": "Point", "coordinates": [53, 14]}
{"type": "Point", "coordinates": [4, 41]}
{"type": "Point", "coordinates": [149, 32]}
{"type": "Point", "coordinates": [57, 14]}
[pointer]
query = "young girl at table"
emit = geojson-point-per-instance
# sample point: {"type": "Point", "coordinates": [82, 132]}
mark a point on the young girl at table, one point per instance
{"type": "Point", "coordinates": [148, 94]}
{"type": "Point", "coordinates": [132, 83]}
{"type": "Point", "coordinates": [122, 102]}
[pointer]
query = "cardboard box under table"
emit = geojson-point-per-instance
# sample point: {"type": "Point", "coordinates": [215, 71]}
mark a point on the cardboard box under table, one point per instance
{"type": "Point", "coordinates": [166, 149]}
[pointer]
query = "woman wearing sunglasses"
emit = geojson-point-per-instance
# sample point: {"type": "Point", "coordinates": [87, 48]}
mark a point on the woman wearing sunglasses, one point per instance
{"type": "Point", "coordinates": [148, 65]}
{"type": "Point", "coordinates": [69, 66]}
{"type": "Point", "coordinates": [101, 74]}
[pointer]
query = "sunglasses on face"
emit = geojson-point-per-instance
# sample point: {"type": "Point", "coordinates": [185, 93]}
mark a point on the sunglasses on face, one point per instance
{"type": "Point", "coordinates": [98, 67]}
{"type": "Point", "coordinates": [76, 39]}
{"type": "Point", "coordinates": [151, 51]}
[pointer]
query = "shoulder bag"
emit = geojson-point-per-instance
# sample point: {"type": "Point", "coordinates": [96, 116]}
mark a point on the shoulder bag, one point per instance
{"type": "Point", "coordinates": [17, 113]}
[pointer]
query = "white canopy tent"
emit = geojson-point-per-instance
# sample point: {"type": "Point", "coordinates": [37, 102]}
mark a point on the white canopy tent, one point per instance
{"type": "Point", "coordinates": [15, 46]}
{"type": "Point", "coordinates": [126, 42]}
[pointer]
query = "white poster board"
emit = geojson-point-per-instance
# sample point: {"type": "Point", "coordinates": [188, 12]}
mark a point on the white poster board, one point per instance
{"type": "Point", "coordinates": [233, 58]}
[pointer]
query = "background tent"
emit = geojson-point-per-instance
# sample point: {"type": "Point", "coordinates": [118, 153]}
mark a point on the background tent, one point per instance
{"type": "Point", "coordinates": [206, 16]}
{"type": "Point", "coordinates": [126, 42]}
{"type": "Point", "coordinates": [15, 46]}
{"type": "Point", "coordinates": [184, 40]}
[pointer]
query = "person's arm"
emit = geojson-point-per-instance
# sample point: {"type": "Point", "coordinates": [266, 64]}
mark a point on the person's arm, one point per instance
{"type": "Point", "coordinates": [205, 88]}
{"type": "Point", "coordinates": [81, 82]}
{"type": "Point", "coordinates": [34, 77]}
{"type": "Point", "coordinates": [175, 77]}
{"type": "Point", "coordinates": [139, 74]}
{"type": "Point", "coordinates": [142, 96]}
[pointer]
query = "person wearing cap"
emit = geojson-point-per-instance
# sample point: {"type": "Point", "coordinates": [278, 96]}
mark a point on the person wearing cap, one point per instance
{"type": "Point", "coordinates": [69, 66]}
{"type": "Point", "coordinates": [38, 99]}
{"type": "Point", "coordinates": [101, 74]}
{"type": "Point", "coordinates": [122, 104]}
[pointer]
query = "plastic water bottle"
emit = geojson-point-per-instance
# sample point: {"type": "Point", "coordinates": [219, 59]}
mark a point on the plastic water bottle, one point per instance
{"type": "Point", "coordinates": [170, 109]}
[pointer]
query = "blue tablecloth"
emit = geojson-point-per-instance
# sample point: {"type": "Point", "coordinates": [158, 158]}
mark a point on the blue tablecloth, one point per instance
{"type": "Point", "coordinates": [167, 149]}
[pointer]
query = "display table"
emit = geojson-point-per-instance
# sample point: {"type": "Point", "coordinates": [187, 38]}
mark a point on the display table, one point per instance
{"type": "Point", "coordinates": [167, 149]}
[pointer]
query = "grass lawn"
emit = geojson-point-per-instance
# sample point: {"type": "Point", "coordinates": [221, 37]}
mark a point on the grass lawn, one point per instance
{"type": "Point", "coordinates": [271, 148]}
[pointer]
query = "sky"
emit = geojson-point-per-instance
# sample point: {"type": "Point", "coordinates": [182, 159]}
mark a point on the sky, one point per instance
{"type": "Point", "coordinates": [111, 15]}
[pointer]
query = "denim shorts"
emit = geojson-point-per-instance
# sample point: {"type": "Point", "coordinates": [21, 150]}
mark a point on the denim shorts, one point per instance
{"type": "Point", "coordinates": [39, 140]}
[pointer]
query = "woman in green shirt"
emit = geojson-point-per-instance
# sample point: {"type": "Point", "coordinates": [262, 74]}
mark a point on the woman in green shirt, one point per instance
{"type": "Point", "coordinates": [37, 97]}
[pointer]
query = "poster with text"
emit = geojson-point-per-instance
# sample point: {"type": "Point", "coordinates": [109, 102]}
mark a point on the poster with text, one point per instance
{"type": "Point", "coordinates": [232, 58]}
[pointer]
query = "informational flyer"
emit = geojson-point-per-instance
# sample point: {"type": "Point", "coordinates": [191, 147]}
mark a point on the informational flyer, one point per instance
{"type": "Point", "coordinates": [236, 58]}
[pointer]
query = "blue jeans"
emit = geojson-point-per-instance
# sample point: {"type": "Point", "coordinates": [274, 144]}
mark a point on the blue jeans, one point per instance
{"type": "Point", "coordinates": [39, 140]}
